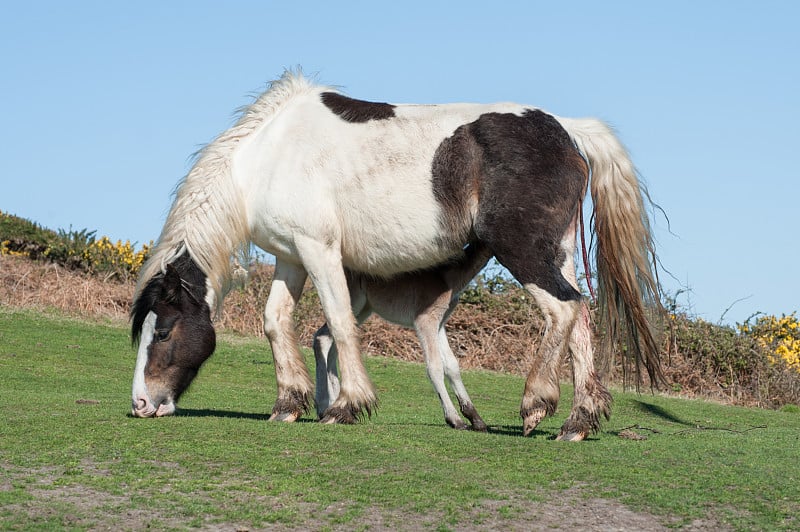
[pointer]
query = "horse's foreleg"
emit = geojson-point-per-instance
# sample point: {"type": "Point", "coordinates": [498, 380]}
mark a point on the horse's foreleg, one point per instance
{"type": "Point", "coordinates": [591, 398]}
{"type": "Point", "coordinates": [452, 371]}
{"type": "Point", "coordinates": [326, 355]}
{"type": "Point", "coordinates": [356, 393]}
{"type": "Point", "coordinates": [294, 383]}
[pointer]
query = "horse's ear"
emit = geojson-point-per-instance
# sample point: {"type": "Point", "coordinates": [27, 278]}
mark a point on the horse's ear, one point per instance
{"type": "Point", "coordinates": [171, 288]}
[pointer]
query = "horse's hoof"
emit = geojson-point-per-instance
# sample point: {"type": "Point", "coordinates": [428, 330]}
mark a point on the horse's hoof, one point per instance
{"type": "Point", "coordinates": [338, 415]}
{"type": "Point", "coordinates": [532, 419]}
{"type": "Point", "coordinates": [479, 426]}
{"type": "Point", "coordinates": [457, 424]}
{"type": "Point", "coordinates": [572, 436]}
{"type": "Point", "coordinates": [288, 417]}
{"type": "Point", "coordinates": [468, 409]}
{"type": "Point", "coordinates": [580, 423]}
{"type": "Point", "coordinates": [289, 406]}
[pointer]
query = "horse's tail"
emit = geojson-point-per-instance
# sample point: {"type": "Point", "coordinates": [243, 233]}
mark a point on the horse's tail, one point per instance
{"type": "Point", "coordinates": [624, 252]}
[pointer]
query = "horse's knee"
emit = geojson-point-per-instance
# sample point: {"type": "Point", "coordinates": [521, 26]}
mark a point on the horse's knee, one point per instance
{"type": "Point", "coordinates": [274, 326]}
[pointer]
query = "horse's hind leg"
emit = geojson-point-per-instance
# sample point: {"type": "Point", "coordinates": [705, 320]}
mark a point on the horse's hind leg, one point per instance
{"type": "Point", "coordinates": [430, 326]}
{"type": "Point", "coordinates": [427, 325]}
{"type": "Point", "coordinates": [567, 323]}
{"type": "Point", "coordinates": [542, 390]}
{"type": "Point", "coordinates": [591, 397]}
{"type": "Point", "coordinates": [452, 371]}
{"type": "Point", "coordinates": [545, 267]}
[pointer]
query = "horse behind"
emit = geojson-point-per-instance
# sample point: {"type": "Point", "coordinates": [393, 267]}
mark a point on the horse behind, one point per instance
{"type": "Point", "coordinates": [329, 184]}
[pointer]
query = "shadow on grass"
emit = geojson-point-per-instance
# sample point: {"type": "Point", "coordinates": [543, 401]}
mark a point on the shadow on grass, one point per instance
{"type": "Point", "coordinates": [507, 430]}
{"type": "Point", "coordinates": [660, 412]}
{"type": "Point", "coordinates": [516, 431]}
{"type": "Point", "coordinates": [208, 412]}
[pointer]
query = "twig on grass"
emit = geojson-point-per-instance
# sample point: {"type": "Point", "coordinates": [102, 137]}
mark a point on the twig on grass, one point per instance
{"type": "Point", "coordinates": [702, 427]}
{"type": "Point", "coordinates": [639, 427]}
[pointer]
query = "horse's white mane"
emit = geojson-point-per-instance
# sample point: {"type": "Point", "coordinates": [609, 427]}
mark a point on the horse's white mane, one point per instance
{"type": "Point", "coordinates": [207, 218]}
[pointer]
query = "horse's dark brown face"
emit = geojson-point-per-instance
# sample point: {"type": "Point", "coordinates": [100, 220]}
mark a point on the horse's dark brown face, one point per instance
{"type": "Point", "coordinates": [172, 322]}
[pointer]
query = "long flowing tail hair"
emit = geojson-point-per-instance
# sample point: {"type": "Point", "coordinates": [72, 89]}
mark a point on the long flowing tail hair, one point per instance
{"type": "Point", "coordinates": [628, 288]}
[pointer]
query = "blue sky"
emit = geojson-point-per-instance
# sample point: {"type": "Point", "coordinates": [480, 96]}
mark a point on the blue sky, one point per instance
{"type": "Point", "coordinates": [104, 102]}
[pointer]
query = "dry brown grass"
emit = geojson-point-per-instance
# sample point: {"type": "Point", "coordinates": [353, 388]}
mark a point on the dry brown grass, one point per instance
{"type": "Point", "coordinates": [42, 285]}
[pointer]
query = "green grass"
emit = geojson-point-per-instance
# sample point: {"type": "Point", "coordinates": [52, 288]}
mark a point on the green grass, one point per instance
{"type": "Point", "coordinates": [71, 457]}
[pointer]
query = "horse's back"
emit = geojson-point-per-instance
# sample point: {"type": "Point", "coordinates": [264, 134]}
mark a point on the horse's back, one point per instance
{"type": "Point", "coordinates": [398, 186]}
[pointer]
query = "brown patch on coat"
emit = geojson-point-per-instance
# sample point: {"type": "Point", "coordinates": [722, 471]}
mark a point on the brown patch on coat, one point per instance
{"type": "Point", "coordinates": [533, 183]}
{"type": "Point", "coordinates": [356, 111]}
{"type": "Point", "coordinates": [514, 182]}
{"type": "Point", "coordinates": [456, 174]}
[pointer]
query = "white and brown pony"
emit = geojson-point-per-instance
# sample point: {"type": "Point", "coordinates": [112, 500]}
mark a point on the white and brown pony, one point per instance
{"type": "Point", "coordinates": [329, 184]}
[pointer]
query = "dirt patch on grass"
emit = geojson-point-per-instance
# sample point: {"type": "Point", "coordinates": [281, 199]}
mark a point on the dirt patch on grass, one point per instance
{"type": "Point", "coordinates": [49, 501]}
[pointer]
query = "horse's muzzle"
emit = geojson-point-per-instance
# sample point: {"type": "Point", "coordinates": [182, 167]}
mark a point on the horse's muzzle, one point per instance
{"type": "Point", "coordinates": [143, 407]}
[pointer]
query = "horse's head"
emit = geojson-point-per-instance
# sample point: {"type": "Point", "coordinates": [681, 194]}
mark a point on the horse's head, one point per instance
{"type": "Point", "coordinates": [172, 324]}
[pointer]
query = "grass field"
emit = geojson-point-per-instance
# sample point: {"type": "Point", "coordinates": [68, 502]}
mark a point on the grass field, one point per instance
{"type": "Point", "coordinates": [71, 457]}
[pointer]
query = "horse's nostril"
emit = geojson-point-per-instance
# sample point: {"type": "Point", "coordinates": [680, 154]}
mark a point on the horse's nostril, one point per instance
{"type": "Point", "coordinates": [141, 404]}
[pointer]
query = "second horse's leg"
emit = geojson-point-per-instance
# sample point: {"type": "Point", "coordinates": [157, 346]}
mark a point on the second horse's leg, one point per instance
{"type": "Point", "coordinates": [325, 356]}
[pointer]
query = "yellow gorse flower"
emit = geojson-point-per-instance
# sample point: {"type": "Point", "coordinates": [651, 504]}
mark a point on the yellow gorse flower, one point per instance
{"type": "Point", "coordinates": [779, 337]}
{"type": "Point", "coordinates": [121, 256]}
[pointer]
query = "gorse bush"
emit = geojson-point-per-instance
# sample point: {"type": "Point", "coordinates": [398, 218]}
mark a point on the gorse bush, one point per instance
{"type": "Point", "coordinates": [711, 357]}
{"type": "Point", "coordinates": [779, 337]}
{"type": "Point", "coordinates": [104, 256]}
{"type": "Point", "coordinates": [68, 249]}
{"type": "Point", "coordinates": [76, 250]}
{"type": "Point", "coordinates": [22, 237]}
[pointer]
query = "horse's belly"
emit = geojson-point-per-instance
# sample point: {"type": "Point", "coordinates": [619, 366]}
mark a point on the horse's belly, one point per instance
{"type": "Point", "coordinates": [382, 234]}
{"type": "Point", "coordinates": [386, 257]}
{"type": "Point", "coordinates": [395, 231]}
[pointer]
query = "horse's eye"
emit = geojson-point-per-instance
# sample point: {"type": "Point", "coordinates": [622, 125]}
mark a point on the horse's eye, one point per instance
{"type": "Point", "coordinates": [161, 335]}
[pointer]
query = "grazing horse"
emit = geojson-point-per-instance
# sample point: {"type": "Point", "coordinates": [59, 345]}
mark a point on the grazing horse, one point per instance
{"type": "Point", "coordinates": [327, 183]}
{"type": "Point", "coordinates": [422, 300]}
